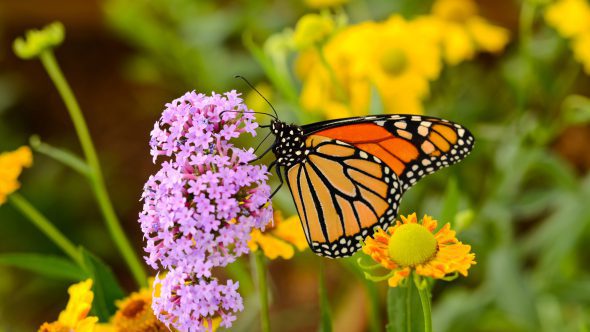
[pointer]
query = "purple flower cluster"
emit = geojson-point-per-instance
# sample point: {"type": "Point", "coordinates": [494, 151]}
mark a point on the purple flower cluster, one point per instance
{"type": "Point", "coordinates": [201, 206]}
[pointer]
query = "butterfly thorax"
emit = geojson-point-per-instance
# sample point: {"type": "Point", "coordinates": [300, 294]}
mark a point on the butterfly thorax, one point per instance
{"type": "Point", "coordinates": [289, 147]}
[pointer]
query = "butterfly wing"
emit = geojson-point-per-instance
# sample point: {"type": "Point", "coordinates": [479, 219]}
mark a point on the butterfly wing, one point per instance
{"type": "Point", "coordinates": [341, 193]}
{"type": "Point", "coordinates": [413, 146]}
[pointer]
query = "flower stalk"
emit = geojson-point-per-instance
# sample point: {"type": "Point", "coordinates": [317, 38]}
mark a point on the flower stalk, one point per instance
{"type": "Point", "coordinates": [95, 174]}
{"type": "Point", "coordinates": [424, 292]}
{"type": "Point", "coordinates": [262, 290]}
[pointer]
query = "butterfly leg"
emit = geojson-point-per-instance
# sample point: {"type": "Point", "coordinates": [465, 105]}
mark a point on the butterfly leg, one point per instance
{"type": "Point", "coordinates": [280, 180]}
{"type": "Point", "coordinates": [262, 155]}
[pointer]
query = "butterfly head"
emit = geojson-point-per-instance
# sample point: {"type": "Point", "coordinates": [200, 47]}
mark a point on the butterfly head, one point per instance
{"type": "Point", "coordinates": [289, 146]}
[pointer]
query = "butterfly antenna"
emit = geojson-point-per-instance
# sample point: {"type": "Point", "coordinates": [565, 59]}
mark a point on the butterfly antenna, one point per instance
{"type": "Point", "coordinates": [250, 112]}
{"type": "Point", "coordinates": [260, 144]}
{"type": "Point", "coordinates": [258, 92]}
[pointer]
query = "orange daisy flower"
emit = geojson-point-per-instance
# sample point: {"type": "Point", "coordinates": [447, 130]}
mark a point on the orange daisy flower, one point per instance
{"type": "Point", "coordinates": [411, 245]}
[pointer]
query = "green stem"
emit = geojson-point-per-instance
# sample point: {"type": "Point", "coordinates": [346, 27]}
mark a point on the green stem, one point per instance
{"type": "Point", "coordinates": [424, 292]}
{"type": "Point", "coordinates": [409, 291]}
{"type": "Point", "coordinates": [340, 91]}
{"type": "Point", "coordinates": [95, 175]}
{"type": "Point", "coordinates": [375, 323]}
{"type": "Point", "coordinates": [526, 21]}
{"type": "Point", "coordinates": [65, 157]}
{"type": "Point", "coordinates": [262, 291]}
{"type": "Point", "coordinates": [46, 227]}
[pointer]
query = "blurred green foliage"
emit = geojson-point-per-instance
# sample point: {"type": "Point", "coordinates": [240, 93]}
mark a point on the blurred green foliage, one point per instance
{"type": "Point", "coordinates": [524, 209]}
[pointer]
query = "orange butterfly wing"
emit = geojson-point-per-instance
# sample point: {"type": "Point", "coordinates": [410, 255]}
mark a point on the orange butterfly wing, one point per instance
{"type": "Point", "coordinates": [413, 146]}
{"type": "Point", "coordinates": [356, 170]}
{"type": "Point", "coordinates": [341, 194]}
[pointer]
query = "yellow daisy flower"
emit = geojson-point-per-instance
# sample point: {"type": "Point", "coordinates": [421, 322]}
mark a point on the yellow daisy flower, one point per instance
{"type": "Point", "coordinates": [11, 165]}
{"type": "Point", "coordinates": [569, 17]}
{"type": "Point", "coordinates": [395, 60]}
{"type": "Point", "coordinates": [134, 313]}
{"type": "Point", "coordinates": [279, 240]}
{"type": "Point", "coordinates": [338, 86]}
{"type": "Point", "coordinates": [412, 245]}
{"type": "Point", "coordinates": [581, 48]}
{"type": "Point", "coordinates": [74, 316]}
{"type": "Point", "coordinates": [403, 62]}
{"type": "Point", "coordinates": [461, 32]}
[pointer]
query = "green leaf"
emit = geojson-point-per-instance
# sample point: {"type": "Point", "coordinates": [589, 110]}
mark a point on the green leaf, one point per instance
{"type": "Point", "coordinates": [576, 109]}
{"type": "Point", "coordinates": [396, 309]}
{"type": "Point", "coordinates": [47, 265]}
{"type": "Point", "coordinates": [404, 310]}
{"type": "Point", "coordinates": [106, 287]}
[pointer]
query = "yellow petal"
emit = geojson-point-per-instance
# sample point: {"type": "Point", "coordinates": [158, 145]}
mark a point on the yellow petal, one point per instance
{"type": "Point", "coordinates": [569, 17]}
{"type": "Point", "coordinates": [489, 38]}
{"type": "Point", "coordinates": [457, 44]}
{"type": "Point", "coordinates": [273, 247]}
{"type": "Point", "coordinates": [398, 276]}
{"type": "Point", "coordinates": [11, 166]}
{"type": "Point", "coordinates": [291, 231]}
{"type": "Point", "coordinates": [454, 10]}
{"type": "Point", "coordinates": [86, 325]}
{"type": "Point", "coordinates": [581, 48]}
{"type": "Point", "coordinates": [79, 304]}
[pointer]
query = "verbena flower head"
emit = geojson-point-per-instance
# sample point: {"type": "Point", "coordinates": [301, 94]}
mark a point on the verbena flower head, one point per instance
{"type": "Point", "coordinates": [193, 304]}
{"type": "Point", "coordinates": [74, 316]}
{"type": "Point", "coordinates": [279, 239]}
{"type": "Point", "coordinates": [413, 245]}
{"type": "Point", "coordinates": [201, 206]}
{"type": "Point", "coordinates": [11, 166]}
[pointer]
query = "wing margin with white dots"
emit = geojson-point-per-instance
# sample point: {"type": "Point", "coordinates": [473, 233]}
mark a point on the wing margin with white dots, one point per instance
{"type": "Point", "coordinates": [413, 145]}
{"type": "Point", "coordinates": [441, 143]}
{"type": "Point", "coordinates": [342, 194]}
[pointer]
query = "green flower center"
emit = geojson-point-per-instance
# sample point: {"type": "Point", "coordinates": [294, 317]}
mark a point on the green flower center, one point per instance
{"type": "Point", "coordinates": [394, 61]}
{"type": "Point", "coordinates": [412, 244]}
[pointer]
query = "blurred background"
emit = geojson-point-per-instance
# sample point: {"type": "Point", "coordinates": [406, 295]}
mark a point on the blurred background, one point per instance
{"type": "Point", "coordinates": [521, 198]}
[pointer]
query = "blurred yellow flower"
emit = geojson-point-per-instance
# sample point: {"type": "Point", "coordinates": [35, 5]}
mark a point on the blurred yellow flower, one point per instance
{"type": "Point", "coordinates": [391, 58]}
{"type": "Point", "coordinates": [279, 239]}
{"type": "Point", "coordinates": [312, 29]}
{"type": "Point", "coordinates": [403, 62]}
{"type": "Point", "coordinates": [581, 48]}
{"type": "Point", "coordinates": [134, 313]}
{"type": "Point", "coordinates": [412, 245]}
{"type": "Point", "coordinates": [74, 316]}
{"type": "Point", "coordinates": [11, 165]}
{"type": "Point", "coordinates": [569, 17]}
{"type": "Point", "coordinates": [461, 32]}
{"type": "Point", "coordinates": [324, 3]}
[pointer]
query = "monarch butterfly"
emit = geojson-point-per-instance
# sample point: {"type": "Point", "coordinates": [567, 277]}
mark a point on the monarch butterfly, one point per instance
{"type": "Point", "coordinates": [347, 176]}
